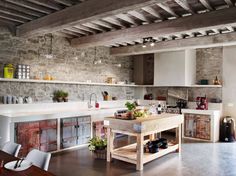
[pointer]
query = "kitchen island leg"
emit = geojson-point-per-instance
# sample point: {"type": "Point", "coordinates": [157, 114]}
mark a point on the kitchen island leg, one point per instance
{"type": "Point", "coordinates": [179, 137]}
{"type": "Point", "coordinates": [110, 144]}
{"type": "Point", "coordinates": [140, 143]}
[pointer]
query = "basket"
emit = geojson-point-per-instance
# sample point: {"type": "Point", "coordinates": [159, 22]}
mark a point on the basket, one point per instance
{"type": "Point", "coordinates": [100, 154]}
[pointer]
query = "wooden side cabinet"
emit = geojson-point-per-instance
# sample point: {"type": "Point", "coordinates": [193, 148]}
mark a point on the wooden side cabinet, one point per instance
{"type": "Point", "coordinates": [41, 135]}
{"type": "Point", "coordinates": [75, 131]}
{"type": "Point", "coordinates": [201, 126]}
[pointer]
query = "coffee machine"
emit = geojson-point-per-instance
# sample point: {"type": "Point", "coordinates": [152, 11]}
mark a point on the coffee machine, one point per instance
{"type": "Point", "coordinates": [202, 103]}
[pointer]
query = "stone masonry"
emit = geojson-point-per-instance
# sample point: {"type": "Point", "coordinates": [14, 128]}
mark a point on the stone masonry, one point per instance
{"type": "Point", "coordinates": [67, 64]}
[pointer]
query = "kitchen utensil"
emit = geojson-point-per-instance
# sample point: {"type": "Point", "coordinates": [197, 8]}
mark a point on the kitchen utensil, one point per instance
{"type": "Point", "coordinates": [20, 100]}
{"type": "Point", "coordinates": [4, 99]}
{"type": "Point", "coordinates": [9, 99]}
{"type": "Point", "coordinates": [14, 99]}
{"type": "Point", "coordinates": [24, 165]}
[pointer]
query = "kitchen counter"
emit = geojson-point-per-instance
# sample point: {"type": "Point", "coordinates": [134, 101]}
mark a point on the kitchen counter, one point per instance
{"type": "Point", "coordinates": [14, 113]}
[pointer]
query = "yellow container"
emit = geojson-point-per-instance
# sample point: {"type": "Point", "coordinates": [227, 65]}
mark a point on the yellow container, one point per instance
{"type": "Point", "coordinates": [8, 71]}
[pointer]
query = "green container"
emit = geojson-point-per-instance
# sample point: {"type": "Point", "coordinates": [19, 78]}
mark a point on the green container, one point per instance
{"type": "Point", "coordinates": [8, 71]}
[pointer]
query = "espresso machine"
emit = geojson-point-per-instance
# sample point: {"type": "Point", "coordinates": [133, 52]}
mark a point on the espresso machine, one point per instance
{"type": "Point", "coordinates": [202, 103]}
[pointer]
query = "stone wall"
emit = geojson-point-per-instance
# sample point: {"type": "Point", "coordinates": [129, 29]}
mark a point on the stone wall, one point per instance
{"type": "Point", "coordinates": [67, 64]}
{"type": "Point", "coordinates": [209, 64]}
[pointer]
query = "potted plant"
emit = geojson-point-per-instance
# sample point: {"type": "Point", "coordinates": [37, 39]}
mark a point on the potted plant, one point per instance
{"type": "Point", "coordinates": [131, 107]}
{"type": "Point", "coordinates": [98, 147]}
{"type": "Point", "coordinates": [58, 95]}
{"type": "Point", "coordinates": [65, 96]}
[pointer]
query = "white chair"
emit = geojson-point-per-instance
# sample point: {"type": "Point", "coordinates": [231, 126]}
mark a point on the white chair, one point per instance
{"type": "Point", "coordinates": [39, 158]}
{"type": "Point", "coordinates": [11, 148]}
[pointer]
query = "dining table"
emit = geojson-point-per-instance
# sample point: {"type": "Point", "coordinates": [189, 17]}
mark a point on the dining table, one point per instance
{"type": "Point", "coordinates": [32, 171]}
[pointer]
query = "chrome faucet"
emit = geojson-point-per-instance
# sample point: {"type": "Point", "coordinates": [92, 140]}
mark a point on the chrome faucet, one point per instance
{"type": "Point", "coordinates": [90, 100]}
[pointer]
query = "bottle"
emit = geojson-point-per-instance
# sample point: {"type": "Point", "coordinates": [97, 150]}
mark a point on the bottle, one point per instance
{"type": "Point", "coordinates": [159, 109]}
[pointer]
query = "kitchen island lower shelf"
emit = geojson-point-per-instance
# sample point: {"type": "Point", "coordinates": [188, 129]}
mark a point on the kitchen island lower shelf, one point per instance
{"type": "Point", "coordinates": [129, 153]}
{"type": "Point", "coordinates": [150, 126]}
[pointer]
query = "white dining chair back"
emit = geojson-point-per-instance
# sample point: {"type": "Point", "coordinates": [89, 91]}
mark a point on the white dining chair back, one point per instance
{"type": "Point", "coordinates": [11, 148]}
{"type": "Point", "coordinates": [39, 158]}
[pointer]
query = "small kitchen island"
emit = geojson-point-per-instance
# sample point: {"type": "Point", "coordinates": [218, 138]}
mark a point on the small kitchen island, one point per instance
{"type": "Point", "coordinates": [140, 128]}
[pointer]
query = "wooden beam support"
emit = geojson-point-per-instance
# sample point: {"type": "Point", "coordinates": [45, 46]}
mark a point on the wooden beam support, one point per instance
{"type": "Point", "coordinates": [16, 13]}
{"type": "Point", "coordinates": [31, 6]}
{"type": "Point", "coordinates": [64, 2]}
{"type": "Point", "coordinates": [206, 4]}
{"type": "Point", "coordinates": [47, 3]}
{"type": "Point", "coordinates": [79, 14]}
{"type": "Point", "coordinates": [165, 7]}
{"type": "Point", "coordinates": [153, 12]}
{"type": "Point", "coordinates": [185, 5]}
{"type": "Point", "coordinates": [20, 9]}
{"type": "Point", "coordinates": [199, 22]}
{"type": "Point", "coordinates": [173, 45]}
{"type": "Point", "coordinates": [229, 3]}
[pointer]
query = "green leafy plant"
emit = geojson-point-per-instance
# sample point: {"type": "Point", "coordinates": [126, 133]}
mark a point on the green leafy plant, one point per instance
{"type": "Point", "coordinates": [97, 143]}
{"type": "Point", "coordinates": [58, 93]}
{"type": "Point", "coordinates": [130, 106]}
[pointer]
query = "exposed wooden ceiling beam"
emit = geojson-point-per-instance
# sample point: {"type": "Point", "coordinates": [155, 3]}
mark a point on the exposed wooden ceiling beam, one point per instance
{"type": "Point", "coordinates": [12, 18]}
{"type": "Point", "coordinates": [94, 26]}
{"type": "Point", "coordinates": [16, 13]}
{"type": "Point", "coordinates": [165, 7]}
{"type": "Point", "coordinates": [153, 12]}
{"type": "Point", "coordinates": [128, 19]}
{"type": "Point", "coordinates": [195, 42]}
{"type": "Point", "coordinates": [206, 4]}
{"type": "Point", "coordinates": [31, 6]}
{"type": "Point", "coordinates": [64, 2]}
{"type": "Point", "coordinates": [215, 19]}
{"type": "Point", "coordinates": [84, 28]}
{"type": "Point", "coordinates": [47, 3]}
{"type": "Point", "coordinates": [103, 23]}
{"type": "Point", "coordinates": [139, 15]}
{"type": "Point", "coordinates": [184, 4]}
{"type": "Point", "coordinates": [79, 14]}
{"type": "Point", "coordinates": [20, 9]}
{"type": "Point", "coordinates": [115, 21]}
{"type": "Point", "coordinates": [229, 3]}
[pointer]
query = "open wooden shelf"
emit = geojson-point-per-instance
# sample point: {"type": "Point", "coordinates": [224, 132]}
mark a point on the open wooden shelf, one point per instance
{"type": "Point", "coordinates": [98, 84]}
{"type": "Point", "coordinates": [129, 153]}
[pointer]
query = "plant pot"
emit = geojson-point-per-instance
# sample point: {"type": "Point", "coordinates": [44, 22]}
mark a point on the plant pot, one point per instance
{"type": "Point", "coordinates": [100, 154]}
{"type": "Point", "coordinates": [60, 99]}
{"type": "Point", "coordinates": [66, 99]}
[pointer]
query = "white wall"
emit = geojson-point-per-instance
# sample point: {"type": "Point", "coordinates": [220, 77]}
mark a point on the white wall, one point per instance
{"type": "Point", "coordinates": [229, 81]}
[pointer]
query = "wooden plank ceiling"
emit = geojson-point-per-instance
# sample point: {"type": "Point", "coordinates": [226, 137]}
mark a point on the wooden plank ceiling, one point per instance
{"type": "Point", "coordinates": [96, 22]}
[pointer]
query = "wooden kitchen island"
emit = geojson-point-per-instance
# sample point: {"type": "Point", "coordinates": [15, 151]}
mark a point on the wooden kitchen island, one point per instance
{"type": "Point", "coordinates": [140, 128]}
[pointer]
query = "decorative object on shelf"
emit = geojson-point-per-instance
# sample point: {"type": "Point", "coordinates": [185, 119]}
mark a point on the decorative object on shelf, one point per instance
{"type": "Point", "coordinates": [148, 97]}
{"type": "Point", "coordinates": [23, 71]}
{"type": "Point", "coordinates": [98, 146]}
{"type": "Point", "coordinates": [60, 96]}
{"type": "Point", "coordinates": [216, 81]}
{"type": "Point", "coordinates": [111, 80]}
{"type": "Point", "coordinates": [8, 71]}
{"type": "Point", "coordinates": [203, 82]}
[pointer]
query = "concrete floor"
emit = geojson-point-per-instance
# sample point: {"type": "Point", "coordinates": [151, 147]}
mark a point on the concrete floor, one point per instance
{"type": "Point", "coordinates": [196, 159]}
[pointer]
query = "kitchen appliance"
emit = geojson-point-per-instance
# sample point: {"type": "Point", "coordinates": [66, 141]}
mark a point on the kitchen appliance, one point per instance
{"type": "Point", "coordinates": [202, 103]}
{"type": "Point", "coordinates": [227, 130]}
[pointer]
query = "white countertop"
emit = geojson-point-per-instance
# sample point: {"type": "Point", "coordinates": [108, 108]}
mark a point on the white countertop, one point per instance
{"type": "Point", "coordinates": [43, 111]}
{"type": "Point", "coordinates": [203, 112]}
